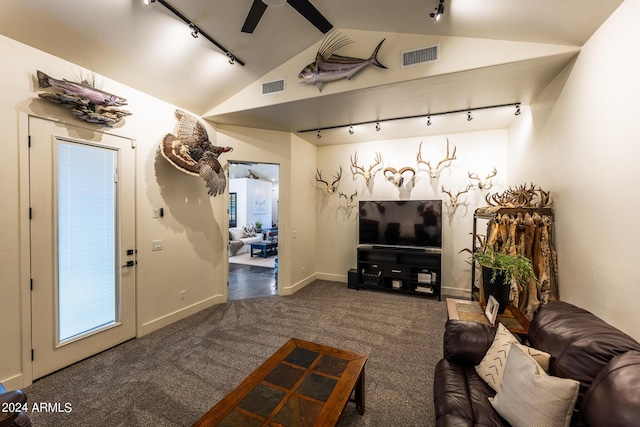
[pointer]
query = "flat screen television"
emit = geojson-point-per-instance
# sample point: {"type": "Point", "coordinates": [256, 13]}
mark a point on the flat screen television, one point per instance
{"type": "Point", "coordinates": [401, 223]}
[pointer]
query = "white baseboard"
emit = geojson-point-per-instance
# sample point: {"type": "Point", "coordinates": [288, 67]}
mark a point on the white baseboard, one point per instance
{"type": "Point", "coordinates": [161, 322]}
{"type": "Point", "coordinates": [290, 290]}
{"type": "Point", "coordinates": [13, 383]}
{"type": "Point", "coordinates": [332, 277]}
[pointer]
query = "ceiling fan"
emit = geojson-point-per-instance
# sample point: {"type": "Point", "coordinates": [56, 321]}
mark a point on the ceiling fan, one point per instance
{"type": "Point", "coordinates": [304, 8]}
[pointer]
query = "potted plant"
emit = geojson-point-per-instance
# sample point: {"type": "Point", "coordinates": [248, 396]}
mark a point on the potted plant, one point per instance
{"type": "Point", "coordinates": [258, 226]}
{"type": "Point", "coordinates": [499, 269]}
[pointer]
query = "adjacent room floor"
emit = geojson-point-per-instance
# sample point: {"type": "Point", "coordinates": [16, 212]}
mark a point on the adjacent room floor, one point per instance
{"type": "Point", "coordinates": [250, 281]}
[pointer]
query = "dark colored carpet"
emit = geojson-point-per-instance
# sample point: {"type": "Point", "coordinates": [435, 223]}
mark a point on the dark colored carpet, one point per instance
{"type": "Point", "coordinates": [173, 376]}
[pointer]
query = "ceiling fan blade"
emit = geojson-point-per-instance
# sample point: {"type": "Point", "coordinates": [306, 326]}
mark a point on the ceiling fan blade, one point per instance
{"type": "Point", "coordinates": [306, 9]}
{"type": "Point", "coordinates": [256, 12]}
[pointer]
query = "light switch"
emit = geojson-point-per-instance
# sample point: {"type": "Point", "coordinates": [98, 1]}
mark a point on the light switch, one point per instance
{"type": "Point", "coordinates": [156, 245]}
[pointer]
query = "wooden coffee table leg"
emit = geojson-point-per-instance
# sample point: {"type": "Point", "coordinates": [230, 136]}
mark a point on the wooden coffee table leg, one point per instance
{"type": "Point", "coordinates": [360, 393]}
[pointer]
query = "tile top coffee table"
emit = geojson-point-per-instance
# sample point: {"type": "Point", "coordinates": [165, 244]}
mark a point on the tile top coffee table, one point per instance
{"type": "Point", "coordinates": [473, 311]}
{"type": "Point", "coordinates": [301, 384]}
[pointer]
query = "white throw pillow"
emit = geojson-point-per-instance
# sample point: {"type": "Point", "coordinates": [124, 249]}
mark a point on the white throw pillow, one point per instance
{"type": "Point", "coordinates": [249, 231]}
{"type": "Point", "coordinates": [529, 397]}
{"type": "Point", "coordinates": [491, 367]}
{"type": "Point", "coordinates": [235, 233]}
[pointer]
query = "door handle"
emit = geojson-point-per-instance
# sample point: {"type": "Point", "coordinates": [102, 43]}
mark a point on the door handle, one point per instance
{"type": "Point", "coordinates": [130, 264]}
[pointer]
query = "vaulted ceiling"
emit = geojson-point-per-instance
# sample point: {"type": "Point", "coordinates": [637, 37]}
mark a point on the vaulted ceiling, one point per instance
{"type": "Point", "coordinates": [150, 49]}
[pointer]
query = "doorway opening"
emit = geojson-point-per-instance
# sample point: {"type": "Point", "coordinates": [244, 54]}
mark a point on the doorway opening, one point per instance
{"type": "Point", "coordinates": [253, 229]}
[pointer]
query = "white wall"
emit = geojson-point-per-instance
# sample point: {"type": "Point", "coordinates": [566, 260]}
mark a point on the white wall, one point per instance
{"type": "Point", "coordinates": [477, 152]}
{"type": "Point", "coordinates": [193, 229]}
{"type": "Point", "coordinates": [579, 139]}
{"type": "Point", "coordinates": [304, 214]}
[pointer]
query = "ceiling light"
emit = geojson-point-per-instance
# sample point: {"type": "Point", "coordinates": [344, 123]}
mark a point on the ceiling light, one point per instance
{"type": "Point", "coordinates": [517, 113]}
{"type": "Point", "coordinates": [378, 127]}
{"type": "Point", "coordinates": [350, 130]}
{"type": "Point", "coordinates": [274, 3]}
{"type": "Point", "coordinates": [438, 11]}
{"type": "Point", "coordinates": [469, 117]}
{"type": "Point", "coordinates": [195, 31]}
{"type": "Point", "coordinates": [429, 120]}
{"type": "Point", "coordinates": [319, 136]}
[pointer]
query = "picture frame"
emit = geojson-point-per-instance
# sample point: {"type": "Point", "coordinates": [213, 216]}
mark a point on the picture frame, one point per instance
{"type": "Point", "coordinates": [491, 311]}
{"type": "Point", "coordinates": [259, 205]}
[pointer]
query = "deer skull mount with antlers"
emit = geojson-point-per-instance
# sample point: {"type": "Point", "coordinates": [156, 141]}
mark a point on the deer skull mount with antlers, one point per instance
{"type": "Point", "coordinates": [453, 199]}
{"type": "Point", "coordinates": [397, 177]}
{"type": "Point", "coordinates": [331, 188]}
{"type": "Point", "coordinates": [486, 183]}
{"type": "Point", "coordinates": [349, 199]}
{"type": "Point", "coordinates": [359, 170]}
{"type": "Point", "coordinates": [435, 172]}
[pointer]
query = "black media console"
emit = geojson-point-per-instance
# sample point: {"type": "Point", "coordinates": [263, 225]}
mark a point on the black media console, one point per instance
{"type": "Point", "coordinates": [404, 270]}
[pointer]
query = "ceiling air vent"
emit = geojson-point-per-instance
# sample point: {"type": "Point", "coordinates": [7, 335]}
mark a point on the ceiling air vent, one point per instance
{"type": "Point", "coordinates": [420, 56]}
{"type": "Point", "coordinates": [275, 86]}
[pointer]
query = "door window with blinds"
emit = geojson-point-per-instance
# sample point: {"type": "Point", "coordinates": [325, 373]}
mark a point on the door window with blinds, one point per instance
{"type": "Point", "coordinates": [88, 286]}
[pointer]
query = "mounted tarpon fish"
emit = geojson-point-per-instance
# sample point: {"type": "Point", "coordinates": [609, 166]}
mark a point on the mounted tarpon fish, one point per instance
{"type": "Point", "coordinates": [329, 67]}
{"type": "Point", "coordinates": [93, 95]}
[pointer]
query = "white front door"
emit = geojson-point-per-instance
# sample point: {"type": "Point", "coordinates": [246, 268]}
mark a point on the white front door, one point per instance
{"type": "Point", "coordinates": [82, 194]}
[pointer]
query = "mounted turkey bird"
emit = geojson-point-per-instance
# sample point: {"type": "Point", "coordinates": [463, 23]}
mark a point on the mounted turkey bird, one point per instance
{"type": "Point", "coordinates": [193, 153]}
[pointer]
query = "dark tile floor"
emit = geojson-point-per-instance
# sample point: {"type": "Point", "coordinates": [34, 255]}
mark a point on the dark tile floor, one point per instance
{"type": "Point", "coordinates": [250, 281]}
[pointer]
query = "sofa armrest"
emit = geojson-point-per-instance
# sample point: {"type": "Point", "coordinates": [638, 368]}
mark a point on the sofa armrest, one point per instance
{"type": "Point", "coordinates": [16, 397]}
{"type": "Point", "coordinates": [465, 342]}
{"type": "Point", "coordinates": [613, 399]}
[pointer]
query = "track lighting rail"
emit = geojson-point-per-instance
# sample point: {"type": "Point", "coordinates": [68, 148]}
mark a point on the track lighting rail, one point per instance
{"type": "Point", "coordinates": [198, 31]}
{"type": "Point", "coordinates": [417, 116]}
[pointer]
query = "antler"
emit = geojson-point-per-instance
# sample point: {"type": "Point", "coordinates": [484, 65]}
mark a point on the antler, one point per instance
{"type": "Point", "coordinates": [319, 177]}
{"type": "Point", "coordinates": [454, 199]}
{"type": "Point", "coordinates": [337, 178]}
{"type": "Point", "coordinates": [349, 199]}
{"type": "Point", "coordinates": [331, 188]}
{"type": "Point", "coordinates": [359, 170]}
{"type": "Point", "coordinates": [433, 172]}
{"type": "Point", "coordinates": [521, 196]}
{"type": "Point", "coordinates": [486, 182]}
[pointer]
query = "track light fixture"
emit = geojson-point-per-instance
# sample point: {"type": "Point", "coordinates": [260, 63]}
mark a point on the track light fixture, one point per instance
{"type": "Point", "coordinates": [428, 116]}
{"type": "Point", "coordinates": [517, 113]}
{"type": "Point", "coordinates": [438, 11]}
{"type": "Point", "coordinates": [195, 31]}
{"type": "Point", "coordinates": [350, 130]}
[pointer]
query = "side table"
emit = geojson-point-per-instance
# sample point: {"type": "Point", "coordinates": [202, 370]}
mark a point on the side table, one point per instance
{"type": "Point", "coordinates": [473, 311]}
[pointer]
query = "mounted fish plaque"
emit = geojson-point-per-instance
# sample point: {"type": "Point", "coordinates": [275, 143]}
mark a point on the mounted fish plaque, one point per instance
{"type": "Point", "coordinates": [85, 102]}
{"type": "Point", "coordinates": [329, 67]}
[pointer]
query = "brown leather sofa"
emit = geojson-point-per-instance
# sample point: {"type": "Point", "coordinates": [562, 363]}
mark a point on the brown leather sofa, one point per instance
{"type": "Point", "coordinates": [10, 404]}
{"type": "Point", "coordinates": [583, 347]}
